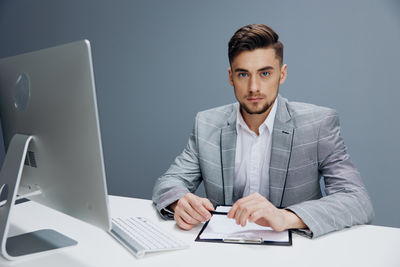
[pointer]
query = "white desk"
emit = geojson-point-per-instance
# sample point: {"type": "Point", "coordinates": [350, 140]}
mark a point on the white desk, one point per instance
{"type": "Point", "coordinates": [358, 246]}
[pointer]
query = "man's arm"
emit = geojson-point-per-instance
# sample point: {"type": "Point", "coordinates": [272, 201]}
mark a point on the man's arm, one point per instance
{"type": "Point", "coordinates": [346, 202]}
{"type": "Point", "coordinates": [182, 177]}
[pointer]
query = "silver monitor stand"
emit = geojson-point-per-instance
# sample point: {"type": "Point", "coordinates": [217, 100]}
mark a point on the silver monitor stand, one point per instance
{"type": "Point", "coordinates": [28, 243]}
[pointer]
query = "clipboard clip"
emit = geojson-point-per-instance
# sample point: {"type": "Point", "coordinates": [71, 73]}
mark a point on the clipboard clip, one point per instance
{"type": "Point", "coordinates": [242, 240]}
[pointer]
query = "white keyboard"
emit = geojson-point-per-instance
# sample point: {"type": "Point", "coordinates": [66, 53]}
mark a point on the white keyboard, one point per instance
{"type": "Point", "coordinates": [140, 236]}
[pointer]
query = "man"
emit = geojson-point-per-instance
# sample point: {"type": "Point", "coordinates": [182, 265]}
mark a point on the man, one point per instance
{"type": "Point", "coordinates": [264, 154]}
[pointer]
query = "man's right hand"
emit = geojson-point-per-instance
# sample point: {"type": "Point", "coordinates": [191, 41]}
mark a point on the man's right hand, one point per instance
{"type": "Point", "coordinates": [191, 210]}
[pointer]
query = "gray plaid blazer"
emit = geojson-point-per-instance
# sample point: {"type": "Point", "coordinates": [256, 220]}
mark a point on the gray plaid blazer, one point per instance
{"type": "Point", "coordinates": [306, 145]}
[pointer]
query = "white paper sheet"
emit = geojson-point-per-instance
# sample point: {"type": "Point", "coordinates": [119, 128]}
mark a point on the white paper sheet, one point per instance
{"type": "Point", "coordinates": [220, 226]}
{"type": "Point", "coordinates": [223, 208]}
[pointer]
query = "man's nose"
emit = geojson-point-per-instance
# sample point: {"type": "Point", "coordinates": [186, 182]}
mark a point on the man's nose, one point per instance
{"type": "Point", "coordinates": [253, 85]}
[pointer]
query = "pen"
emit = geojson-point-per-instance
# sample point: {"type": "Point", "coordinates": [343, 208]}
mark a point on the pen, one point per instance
{"type": "Point", "coordinates": [218, 213]}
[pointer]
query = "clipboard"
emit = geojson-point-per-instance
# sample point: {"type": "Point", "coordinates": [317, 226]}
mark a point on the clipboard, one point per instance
{"type": "Point", "coordinates": [250, 234]}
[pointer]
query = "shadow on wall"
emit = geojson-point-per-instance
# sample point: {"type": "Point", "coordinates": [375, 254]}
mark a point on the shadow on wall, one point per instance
{"type": "Point", "coordinates": [2, 152]}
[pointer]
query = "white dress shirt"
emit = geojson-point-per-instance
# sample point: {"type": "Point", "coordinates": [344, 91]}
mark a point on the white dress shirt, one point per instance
{"type": "Point", "coordinates": [253, 153]}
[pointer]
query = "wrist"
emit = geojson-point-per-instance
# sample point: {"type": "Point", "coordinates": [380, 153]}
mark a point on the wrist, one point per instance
{"type": "Point", "coordinates": [292, 221]}
{"type": "Point", "coordinates": [173, 206]}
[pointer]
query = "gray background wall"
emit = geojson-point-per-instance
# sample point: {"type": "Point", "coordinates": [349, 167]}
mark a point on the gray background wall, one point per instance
{"type": "Point", "coordinates": [159, 62]}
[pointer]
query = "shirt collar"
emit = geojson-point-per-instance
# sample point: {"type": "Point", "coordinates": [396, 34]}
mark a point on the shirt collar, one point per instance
{"type": "Point", "coordinates": [268, 123]}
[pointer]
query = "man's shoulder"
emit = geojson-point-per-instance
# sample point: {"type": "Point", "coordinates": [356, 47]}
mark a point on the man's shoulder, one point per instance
{"type": "Point", "coordinates": [218, 116]}
{"type": "Point", "coordinates": [305, 113]}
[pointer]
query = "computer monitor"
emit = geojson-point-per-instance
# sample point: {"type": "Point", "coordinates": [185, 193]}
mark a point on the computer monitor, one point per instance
{"type": "Point", "coordinates": [51, 132]}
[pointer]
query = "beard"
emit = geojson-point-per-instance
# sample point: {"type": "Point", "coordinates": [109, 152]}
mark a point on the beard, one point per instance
{"type": "Point", "coordinates": [256, 111]}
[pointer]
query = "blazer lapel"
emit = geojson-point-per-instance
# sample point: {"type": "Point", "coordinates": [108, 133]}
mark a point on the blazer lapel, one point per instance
{"type": "Point", "coordinates": [228, 150]}
{"type": "Point", "coordinates": [282, 138]}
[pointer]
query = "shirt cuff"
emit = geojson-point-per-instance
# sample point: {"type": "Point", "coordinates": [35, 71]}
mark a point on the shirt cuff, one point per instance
{"type": "Point", "coordinates": [167, 213]}
{"type": "Point", "coordinates": [303, 232]}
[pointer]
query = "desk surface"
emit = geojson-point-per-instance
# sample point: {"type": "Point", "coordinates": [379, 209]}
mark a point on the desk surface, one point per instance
{"type": "Point", "coordinates": [365, 245]}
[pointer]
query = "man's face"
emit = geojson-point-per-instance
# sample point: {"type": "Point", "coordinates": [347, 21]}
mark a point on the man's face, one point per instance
{"type": "Point", "coordinates": [256, 76]}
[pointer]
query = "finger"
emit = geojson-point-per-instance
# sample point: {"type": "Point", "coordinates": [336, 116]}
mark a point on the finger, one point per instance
{"type": "Point", "coordinates": [207, 204]}
{"type": "Point", "coordinates": [245, 211]}
{"type": "Point", "coordinates": [239, 203]}
{"type": "Point", "coordinates": [188, 219]}
{"type": "Point", "coordinates": [249, 206]}
{"type": "Point", "coordinates": [257, 215]}
{"type": "Point", "coordinates": [198, 207]}
{"type": "Point", "coordinates": [181, 223]}
{"type": "Point", "coordinates": [188, 208]}
{"type": "Point", "coordinates": [233, 210]}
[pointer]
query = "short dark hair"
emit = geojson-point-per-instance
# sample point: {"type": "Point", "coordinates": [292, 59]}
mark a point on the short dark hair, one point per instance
{"type": "Point", "coordinates": [254, 36]}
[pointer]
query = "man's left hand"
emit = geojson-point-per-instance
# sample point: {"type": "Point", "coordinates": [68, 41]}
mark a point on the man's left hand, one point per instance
{"type": "Point", "coordinates": [256, 208]}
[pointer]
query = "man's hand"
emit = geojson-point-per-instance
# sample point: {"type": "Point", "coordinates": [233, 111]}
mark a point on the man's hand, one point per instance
{"type": "Point", "coordinates": [256, 208]}
{"type": "Point", "coordinates": [191, 210]}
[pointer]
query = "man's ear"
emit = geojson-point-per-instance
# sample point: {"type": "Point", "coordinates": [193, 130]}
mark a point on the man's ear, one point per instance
{"type": "Point", "coordinates": [230, 76]}
{"type": "Point", "coordinates": [283, 74]}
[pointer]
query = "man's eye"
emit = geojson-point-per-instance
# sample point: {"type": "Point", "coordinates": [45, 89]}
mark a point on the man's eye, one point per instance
{"type": "Point", "coordinates": [265, 73]}
{"type": "Point", "coordinates": [243, 75]}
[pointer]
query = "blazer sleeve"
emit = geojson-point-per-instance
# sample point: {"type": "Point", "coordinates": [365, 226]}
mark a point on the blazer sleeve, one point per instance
{"type": "Point", "coordinates": [346, 202]}
{"type": "Point", "coordinates": [182, 177]}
